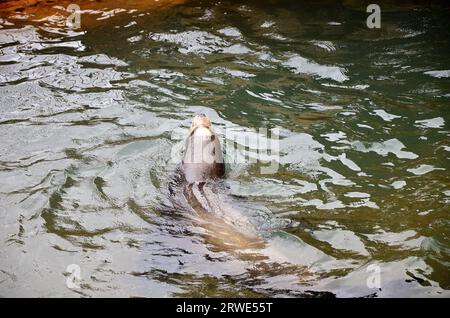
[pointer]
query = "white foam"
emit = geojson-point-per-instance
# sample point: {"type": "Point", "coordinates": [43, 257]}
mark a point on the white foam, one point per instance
{"type": "Point", "coordinates": [439, 74]}
{"type": "Point", "coordinates": [364, 126]}
{"type": "Point", "coordinates": [326, 45]}
{"type": "Point", "coordinates": [385, 115]}
{"type": "Point", "coordinates": [357, 195]}
{"type": "Point", "coordinates": [342, 239]}
{"type": "Point", "coordinates": [437, 122]}
{"type": "Point", "coordinates": [423, 169]}
{"type": "Point", "coordinates": [267, 24]}
{"type": "Point", "coordinates": [334, 136]}
{"type": "Point", "coordinates": [349, 163]}
{"type": "Point", "coordinates": [192, 41]}
{"type": "Point", "coordinates": [398, 184]}
{"type": "Point", "coordinates": [231, 32]}
{"type": "Point", "coordinates": [301, 65]}
{"type": "Point", "coordinates": [384, 148]}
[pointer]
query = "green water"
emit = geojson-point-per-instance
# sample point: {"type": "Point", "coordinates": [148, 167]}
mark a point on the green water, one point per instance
{"type": "Point", "coordinates": [90, 120]}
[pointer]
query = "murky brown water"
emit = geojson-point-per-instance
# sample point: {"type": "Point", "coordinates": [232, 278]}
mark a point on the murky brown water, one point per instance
{"type": "Point", "coordinates": [90, 120]}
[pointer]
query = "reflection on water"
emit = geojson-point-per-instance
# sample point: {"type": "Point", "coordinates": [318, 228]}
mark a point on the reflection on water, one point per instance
{"type": "Point", "coordinates": [90, 118]}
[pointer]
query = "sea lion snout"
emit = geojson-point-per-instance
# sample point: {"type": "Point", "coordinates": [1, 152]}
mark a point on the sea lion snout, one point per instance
{"type": "Point", "coordinates": [201, 120]}
{"type": "Point", "coordinates": [201, 126]}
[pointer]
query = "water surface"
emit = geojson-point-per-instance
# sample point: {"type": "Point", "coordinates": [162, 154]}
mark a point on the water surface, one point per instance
{"type": "Point", "coordinates": [90, 119]}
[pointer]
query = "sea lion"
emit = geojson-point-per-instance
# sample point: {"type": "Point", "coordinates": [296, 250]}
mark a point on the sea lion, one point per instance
{"type": "Point", "coordinates": [198, 191]}
{"type": "Point", "coordinates": [203, 158]}
{"type": "Point", "coordinates": [199, 188]}
{"type": "Point", "coordinates": [227, 223]}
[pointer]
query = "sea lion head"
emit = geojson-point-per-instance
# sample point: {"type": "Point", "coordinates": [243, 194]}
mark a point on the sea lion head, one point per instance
{"type": "Point", "coordinates": [201, 126]}
{"type": "Point", "coordinates": [203, 157]}
{"type": "Point", "coordinates": [201, 120]}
